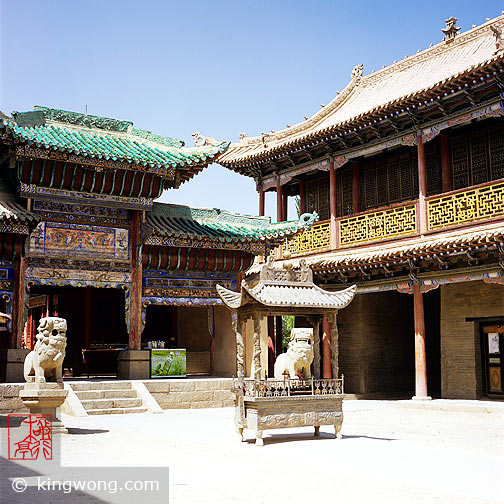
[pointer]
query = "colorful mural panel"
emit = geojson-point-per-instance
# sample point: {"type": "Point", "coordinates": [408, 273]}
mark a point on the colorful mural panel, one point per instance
{"type": "Point", "coordinates": [58, 238]}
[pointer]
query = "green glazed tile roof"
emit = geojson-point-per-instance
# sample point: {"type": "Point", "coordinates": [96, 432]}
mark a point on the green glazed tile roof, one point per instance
{"type": "Point", "coordinates": [104, 138]}
{"type": "Point", "coordinates": [13, 212]}
{"type": "Point", "coordinates": [219, 225]}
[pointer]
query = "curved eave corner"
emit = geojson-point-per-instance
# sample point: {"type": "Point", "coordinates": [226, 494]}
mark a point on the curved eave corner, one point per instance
{"type": "Point", "coordinates": [230, 298]}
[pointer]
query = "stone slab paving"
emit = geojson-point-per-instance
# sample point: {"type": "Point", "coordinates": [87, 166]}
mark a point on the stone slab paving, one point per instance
{"type": "Point", "coordinates": [388, 454]}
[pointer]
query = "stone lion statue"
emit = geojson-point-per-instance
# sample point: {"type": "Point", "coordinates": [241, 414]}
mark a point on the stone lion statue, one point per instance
{"type": "Point", "coordinates": [45, 361]}
{"type": "Point", "coordinates": [299, 356]}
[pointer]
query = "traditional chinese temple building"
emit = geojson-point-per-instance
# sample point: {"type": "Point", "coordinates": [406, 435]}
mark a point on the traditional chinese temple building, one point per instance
{"type": "Point", "coordinates": [81, 237]}
{"type": "Point", "coordinates": [405, 168]}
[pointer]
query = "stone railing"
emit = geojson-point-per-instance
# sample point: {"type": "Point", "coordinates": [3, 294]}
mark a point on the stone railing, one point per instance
{"type": "Point", "coordinates": [458, 207]}
{"type": "Point", "coordinates": [273, 388]}
{"type": "Point", "coordinates": [372, 226]}
{"type": "Point", "coordinates": [315, 239]}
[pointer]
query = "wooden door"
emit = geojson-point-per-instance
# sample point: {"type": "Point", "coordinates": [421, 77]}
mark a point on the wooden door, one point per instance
{"type": "Point", "coordinates": [493, 358]}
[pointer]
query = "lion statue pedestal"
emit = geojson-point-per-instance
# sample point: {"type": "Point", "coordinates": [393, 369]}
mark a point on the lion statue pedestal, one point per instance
{"type": "Point", "coordinates": [43, 392]}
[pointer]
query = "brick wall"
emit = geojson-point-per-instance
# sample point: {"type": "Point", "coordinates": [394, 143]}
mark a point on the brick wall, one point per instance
{"type": "Point", "coordinates": [376, 344]}
{"type": "Point", "coordinates": [461, 368]}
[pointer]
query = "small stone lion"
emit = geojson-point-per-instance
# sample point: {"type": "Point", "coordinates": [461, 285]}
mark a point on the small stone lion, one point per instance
{"type": "Point", "coordinates": [299, 356]}
{"type": "Point", "coordinates": [45, 361]}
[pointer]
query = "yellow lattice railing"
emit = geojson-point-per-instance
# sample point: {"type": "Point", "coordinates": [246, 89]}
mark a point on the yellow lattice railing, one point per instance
{"type": "Point", "coordinates": [315, 239]}
{"type": "Point", "coordinates": [466, 206]}
{"type": "Point", "coordinates": [397, 221]}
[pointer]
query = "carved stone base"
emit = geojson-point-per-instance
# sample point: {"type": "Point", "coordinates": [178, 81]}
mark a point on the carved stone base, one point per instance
{"type": "Point", "coordinates": [288, 412]}
{"type": "Point", "coordinates": [45, 399]}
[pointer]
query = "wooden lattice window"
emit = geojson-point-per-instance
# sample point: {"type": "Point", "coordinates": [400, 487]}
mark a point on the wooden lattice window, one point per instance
{"type": "Point", "coordinates": [389, 178]}
{"type": "Point", "coordinates": [433, 166]}
{"type": "Point", "coordinates": [496, 148]}
{"type": "Point", "coordinates": [477, 155]}
{"type": "Point", "coordinates": [317, 196]}
{"type": "Point", "coordinates": [344, 187]}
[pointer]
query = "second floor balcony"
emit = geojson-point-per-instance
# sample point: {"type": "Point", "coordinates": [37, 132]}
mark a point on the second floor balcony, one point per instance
{"type": "Point", "coordinates": [446, 211]}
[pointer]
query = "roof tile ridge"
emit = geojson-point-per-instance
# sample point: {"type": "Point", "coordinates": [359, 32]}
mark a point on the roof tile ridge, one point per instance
{"type": "Point", "coordinates": [305, 126]}
{"type": "Point", "coordinates": [430, 52]}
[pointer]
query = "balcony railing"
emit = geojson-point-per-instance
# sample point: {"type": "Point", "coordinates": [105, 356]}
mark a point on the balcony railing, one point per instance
{"type": "Point", "coordinates": [315, 239]}
{"type": "Point", "coordinates": [482, 202]}
{"type": "Point", "coordinates": [398, 221]}
{"type": "Point", "coordinates": [451, 209]}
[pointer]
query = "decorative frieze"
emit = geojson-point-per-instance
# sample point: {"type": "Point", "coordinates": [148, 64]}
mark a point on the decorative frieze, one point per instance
{"type": "Point", "coordinates": [89, 214]}
{"type": "Point", "coordinates": [77, 197]}
{"type": "Point", "coordinates": [79, 240]}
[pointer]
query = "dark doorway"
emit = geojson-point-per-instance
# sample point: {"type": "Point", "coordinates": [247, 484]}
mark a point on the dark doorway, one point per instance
{"type": "Point", "coordinates": [96, 325]}
{"type": "Point", "coordinates": [161, 325]}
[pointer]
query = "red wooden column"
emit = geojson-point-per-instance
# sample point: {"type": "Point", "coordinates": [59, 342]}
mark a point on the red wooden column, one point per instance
{"type": "Point", "coordinates": [302, 197]}
{"type": "Point", "coordinates": [445, 163]}
{"type": "Point", "coordinates": [422, 185]}
{"type": "Point", "coordinates": [326, 349]}
{"type": "Point", "coordinates": [279, 200]}
{"type": "Point", "coordinates": [420, 358]}
{"type": "Point", "coordinates": [16, 336]}
{"type": "Point", "coordinates": [136, 286]}
{"type": "Point", "coordinates": [356, 186]}
{"type": "Point", "coordinates": [333, 204]}
{"type": "Point", "coordinates": [261, 202]}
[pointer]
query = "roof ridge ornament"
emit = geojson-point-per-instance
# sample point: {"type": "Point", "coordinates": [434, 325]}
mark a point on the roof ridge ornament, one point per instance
{"type": "Point", "coordinates": [200, 140]}
{"type": "Point", "coordinates": [451, 30]}
{"type": "Point", "coordinates": [356, 73]}
{"type": "Point", "coordinates": [499, 41]}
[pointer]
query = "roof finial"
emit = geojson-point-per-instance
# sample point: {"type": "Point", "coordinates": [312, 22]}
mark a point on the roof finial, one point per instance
{"type": "Point", "coordinates": [357, 72]}
{"type": "Point", "coordinates": [200, 140]}
{"type": "Point", "coordinates": [499, 42]}
{"type": "Point", "coordinates": [451, 30]}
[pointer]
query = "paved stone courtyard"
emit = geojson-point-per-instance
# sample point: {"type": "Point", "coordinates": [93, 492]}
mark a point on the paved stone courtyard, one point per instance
{"type": "Point", "coordinates": [387, 455]}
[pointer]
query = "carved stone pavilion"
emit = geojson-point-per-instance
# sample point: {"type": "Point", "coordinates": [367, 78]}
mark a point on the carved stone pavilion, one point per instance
{"type": "Point", "coordinates": [262, 403]}
{"type": "Point", "coordinates": [82, 238]}
{"type": "Point", "coordinates": [405, 167]}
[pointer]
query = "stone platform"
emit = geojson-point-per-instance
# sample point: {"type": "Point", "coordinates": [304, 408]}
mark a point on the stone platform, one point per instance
{"type": "Point", "coordinates": [102, 397]}
{"type": "Point", "coordinates": [192, 393]}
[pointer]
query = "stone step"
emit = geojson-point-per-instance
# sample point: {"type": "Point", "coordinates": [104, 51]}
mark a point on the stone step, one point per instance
{"type": "Point", "coordinates": [84, 395]}
{"type": "Point", "coordinates": [116, 411]}
{"type": "Point", "coordinates": [112, 385]}
{"type": "Point", "coordinates": [93, 404]}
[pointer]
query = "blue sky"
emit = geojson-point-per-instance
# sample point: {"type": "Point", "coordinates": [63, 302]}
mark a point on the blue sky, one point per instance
{"type": "Point", "coordinates": [221, 67]}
